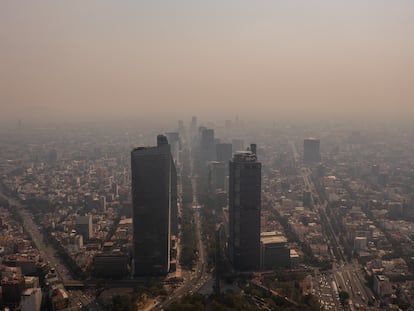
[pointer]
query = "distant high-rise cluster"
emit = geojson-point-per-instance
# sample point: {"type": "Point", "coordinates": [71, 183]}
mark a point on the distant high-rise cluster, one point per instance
{"type": "Point", "coordinates": [154, 195]}
{"type": "Point", "coordinates": [311, 150]}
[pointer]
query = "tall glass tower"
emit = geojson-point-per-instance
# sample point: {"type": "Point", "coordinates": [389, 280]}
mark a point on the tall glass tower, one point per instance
{"type": "Point", "coordinates": [153, 172]}
{"type": "Point", "coordinates": [244, 210]}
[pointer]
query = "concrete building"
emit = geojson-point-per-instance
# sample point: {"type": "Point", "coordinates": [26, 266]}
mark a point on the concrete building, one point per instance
{"type": "Point", "coordinates": [152, 173]}
{"type": "Point", "coordinates": [382, 286]}
{"type": "Point", "coordinates": [174, 199]}
{"type": "Point", "coordinates": [274, 252]}
{"type": "Point", "coordinates": [360, 244]}
{"type": "Point", "coordinates": [84, 226]}
{"type": "Point", "coordinates": [207, 145]}
{"type": "Point", "coordinates": [111, 265]}
{"type": "Point", "coordinates": [244, 211]}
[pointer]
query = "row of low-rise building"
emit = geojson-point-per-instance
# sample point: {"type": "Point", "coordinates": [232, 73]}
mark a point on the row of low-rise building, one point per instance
{"type": "Point", "coordinates": [27, 283]}
{"type": "Point", "coordinates": [374, 205]}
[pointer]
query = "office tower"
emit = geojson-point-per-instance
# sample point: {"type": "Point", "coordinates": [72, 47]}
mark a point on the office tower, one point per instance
{"type": "Point", "coordinates": [244, 211]}
{"type": "Point", "coordinates": [175, 145]}
{"type": "Point", "coordinates": [224, 152]}
{"type": "Point", "coordinates": [207, 145]}
{"type": "Point", "coordinates": [175, 149]}
{"type": "Point", "coordinates": [311, 153]}
{"type": "Point", "coordinates": [174, 199]}
{"type": "Point", "coordinates": [84, 226]}
{"type": "Point", "coordinates": [152, 199]}
{"type": "Point", "coordinates": [193, 125]}
{"type": "Point", "coordinates": [275, 252]}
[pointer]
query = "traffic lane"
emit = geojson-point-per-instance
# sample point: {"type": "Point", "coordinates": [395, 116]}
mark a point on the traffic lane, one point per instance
{"type": "Point", "coordinates": [35, 235]}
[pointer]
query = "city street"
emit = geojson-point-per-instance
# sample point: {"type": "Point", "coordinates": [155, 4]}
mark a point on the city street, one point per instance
{"type": "Point", "coordinates": [346, 276]}
{"type": "Point", "coordinates": [77, 298]}
{"type": "Point", "coordinates": [37, 238]}
{"type": "Point", "coordinates": [196, 279]}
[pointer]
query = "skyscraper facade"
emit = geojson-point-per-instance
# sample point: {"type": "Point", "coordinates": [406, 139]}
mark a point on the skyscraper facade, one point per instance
{"type": "Point", "coordinates": [311, 150]}
{"type": "Point", "coordinates": [207, 145]}
{"type": "Point", "coordinates": [152, 198]}
{"type": "Point", "coordinates": [244, 211]}
{"type": "Point", "coordinates": [175, 145]}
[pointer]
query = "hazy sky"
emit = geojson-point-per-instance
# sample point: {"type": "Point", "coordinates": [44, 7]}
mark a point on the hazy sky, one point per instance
{"type": "Point", "coordinates": [101, 59]}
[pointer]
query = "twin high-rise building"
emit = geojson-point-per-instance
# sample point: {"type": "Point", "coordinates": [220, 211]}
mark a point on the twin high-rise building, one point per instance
{"type": "Point", "coordinates": [153, 196]}
{"type": "Point", "coordinates": [244, 211]}
{"type": "Point", "coordinates": [311, 150]}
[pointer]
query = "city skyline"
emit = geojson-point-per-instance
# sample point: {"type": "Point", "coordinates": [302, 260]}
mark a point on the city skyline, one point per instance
{"type": "Point", "coordinates": [328, 218]}
{"type": "Point", "coordinates": [207, 155]}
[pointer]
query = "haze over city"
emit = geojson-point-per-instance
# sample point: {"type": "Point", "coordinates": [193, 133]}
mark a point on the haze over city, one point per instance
{"type": "Point", "coordinates": [263, 60]}
{"type": "Point", "coordinates": [207, 155]}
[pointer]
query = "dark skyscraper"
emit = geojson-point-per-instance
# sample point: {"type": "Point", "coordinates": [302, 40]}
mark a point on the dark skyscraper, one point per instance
{"type": "Point", "coordinates": [175, 145]}
{"type": "Point", "coordinates": [244, 211]}
{"type": "Point", "coordinates": [311, 152]}
{"type": "Point", "coordinates": [207, 144]}
{"type": "Point", "coordinates": [152, 198]}
{"type": "Point", "coordinates": [174, 199]}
